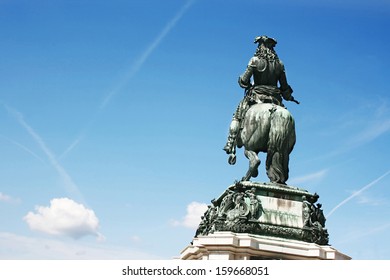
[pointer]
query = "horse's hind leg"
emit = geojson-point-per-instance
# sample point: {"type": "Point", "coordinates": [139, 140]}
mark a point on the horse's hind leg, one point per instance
{"type": "Point", "coordinates": [254, 163]}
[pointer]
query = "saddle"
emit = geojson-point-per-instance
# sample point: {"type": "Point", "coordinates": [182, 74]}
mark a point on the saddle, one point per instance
{"type": "Point", "coordinates": [264, 94]}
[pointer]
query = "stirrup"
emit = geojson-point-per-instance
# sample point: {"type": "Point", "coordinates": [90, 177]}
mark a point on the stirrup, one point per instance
{"type": "Point", "coordinates": [232, 159]}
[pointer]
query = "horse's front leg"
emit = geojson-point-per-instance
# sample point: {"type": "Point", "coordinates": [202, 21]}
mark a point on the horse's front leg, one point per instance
{"type": "Point", "coordinates": [254, 163]}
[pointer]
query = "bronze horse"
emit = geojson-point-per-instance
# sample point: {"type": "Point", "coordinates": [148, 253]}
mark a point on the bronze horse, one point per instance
{"type": "Point", "coordinates": [267, 128]}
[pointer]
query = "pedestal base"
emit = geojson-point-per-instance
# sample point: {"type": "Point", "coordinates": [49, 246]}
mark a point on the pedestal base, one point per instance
{"type": "Point", "coordinates": [243, 246]}
{"type": "Point", "coordinates": [266, 209]}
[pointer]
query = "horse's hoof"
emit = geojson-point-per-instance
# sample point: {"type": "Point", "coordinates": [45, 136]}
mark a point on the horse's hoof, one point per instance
{"type": "Point", "coordinates": [232, 159]}
{"type": "Point", "coordinates": [255, 173]}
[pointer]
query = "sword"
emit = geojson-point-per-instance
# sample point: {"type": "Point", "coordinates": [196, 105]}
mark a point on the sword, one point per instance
{"type": "Point", "coordinates": [294, 100]}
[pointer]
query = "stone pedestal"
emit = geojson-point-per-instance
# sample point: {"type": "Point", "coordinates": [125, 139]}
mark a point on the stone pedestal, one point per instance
{"type": "Point", "coordinates": [243, 246]}
{"type": "Point", "coordinates": [251, 220]}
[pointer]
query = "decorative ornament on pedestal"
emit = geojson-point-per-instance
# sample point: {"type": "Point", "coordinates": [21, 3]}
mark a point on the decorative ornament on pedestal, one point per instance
{"type": "Point", "coordinates": [268, 210]}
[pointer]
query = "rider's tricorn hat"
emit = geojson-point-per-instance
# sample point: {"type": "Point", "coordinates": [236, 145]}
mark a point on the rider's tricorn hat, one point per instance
{"type": "Point", "coordinates": [265, 39]}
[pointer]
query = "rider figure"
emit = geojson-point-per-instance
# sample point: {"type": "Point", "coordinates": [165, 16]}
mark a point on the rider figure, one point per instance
{"type": "Point", "coordinates": [267, 71]}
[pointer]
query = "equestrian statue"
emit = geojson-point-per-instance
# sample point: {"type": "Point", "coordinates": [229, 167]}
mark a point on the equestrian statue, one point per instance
{"type": "Point", "coordinates": [261, 122]}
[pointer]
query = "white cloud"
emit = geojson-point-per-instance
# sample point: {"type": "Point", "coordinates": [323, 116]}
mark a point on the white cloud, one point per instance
{"type": "Point", "coordinates": [367, 199]}
{"type": "Point", "coordinates": [356, 234]}
{"type": "Point", "coordinates": [135, 238]}
{"type": "Point", "coordinates": [4, 197]}
{"type": "Point", "coordinates": [308, 178]}
{"type": "Point", "coordinates": [18, 247]}
{"type": "Point", "coordinates": [8, 199]}
{"type": "Point", "coordinates": [64, 217]}
{"type": "Point", "coordinates": [195, 210]}
{"type": "Point", "coordinates": [370, 133]}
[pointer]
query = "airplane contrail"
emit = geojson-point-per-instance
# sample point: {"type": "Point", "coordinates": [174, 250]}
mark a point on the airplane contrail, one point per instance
{"type": "Point", "coordinates": [141, 60]}
{"type": "Point", "coordinates": [132, 71]}
{"type": "Point", "coordinates": [357, 193]}
{"type": "Point", "coordinates": [70, 186]}
{"type": "Point", "coordinates": [71, 146]}
{"type": "Point", "coordinates": [24, 148]}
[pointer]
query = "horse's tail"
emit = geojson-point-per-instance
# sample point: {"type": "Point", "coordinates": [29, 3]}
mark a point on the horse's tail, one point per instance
{"type": "Point", "coordinates": [280, 144]}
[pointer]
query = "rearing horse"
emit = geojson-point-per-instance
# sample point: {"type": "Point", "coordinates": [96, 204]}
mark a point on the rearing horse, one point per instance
{"type": "Point", "coordinates": [267, 128]}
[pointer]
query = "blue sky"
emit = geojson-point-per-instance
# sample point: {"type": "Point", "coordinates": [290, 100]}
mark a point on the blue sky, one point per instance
{"type": "Point", "coordinates": [114, 115]}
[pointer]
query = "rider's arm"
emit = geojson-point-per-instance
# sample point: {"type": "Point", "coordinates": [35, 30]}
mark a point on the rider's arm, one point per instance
{"type": "Point", "coordinates": [284, 86]}
{"type": "Point", "coordinates": [245, 79]}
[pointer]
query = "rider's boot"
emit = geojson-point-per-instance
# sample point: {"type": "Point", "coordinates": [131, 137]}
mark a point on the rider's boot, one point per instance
{"type": "Point", "coordinates": [233, 131]}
